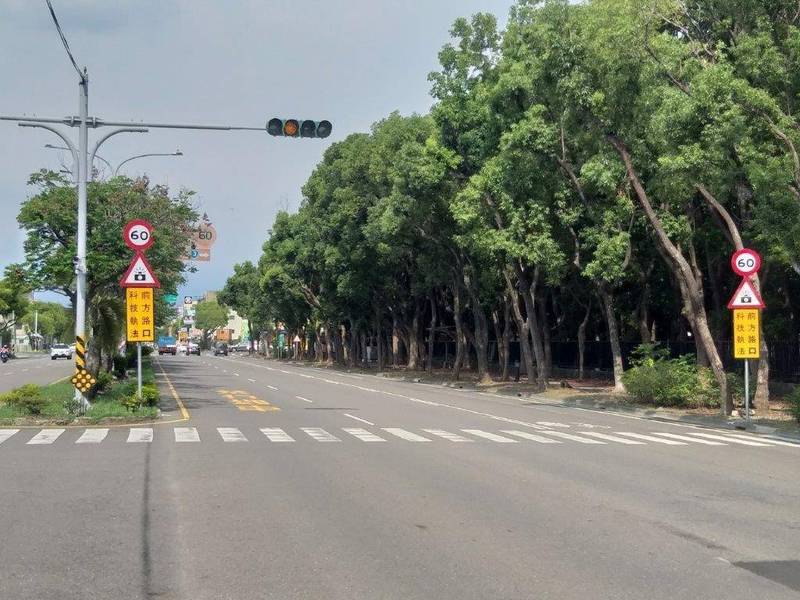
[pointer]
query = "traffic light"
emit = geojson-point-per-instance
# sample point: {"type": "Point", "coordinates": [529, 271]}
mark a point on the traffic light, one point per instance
{"type": "Point", "coordinates": [299, 128]}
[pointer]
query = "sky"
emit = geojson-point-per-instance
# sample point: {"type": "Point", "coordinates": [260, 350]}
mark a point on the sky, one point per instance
{"type": "Point", "coordinates": [237, 62]}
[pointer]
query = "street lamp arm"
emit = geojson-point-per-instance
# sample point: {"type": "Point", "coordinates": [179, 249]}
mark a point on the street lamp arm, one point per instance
{"type": "Point", "coordinates": [102, 123]}
{"type": "Point", "coordinates": [127, 160]}
{"type": "Point", "coordinates": [64, 138]}
{"type": "Point", "coordinates": [110, 134]}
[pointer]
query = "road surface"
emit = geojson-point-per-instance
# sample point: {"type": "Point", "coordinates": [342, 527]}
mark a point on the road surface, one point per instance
{"type": "Point", "coordinates": [295, 482]}
{"type": "Point", "coordinates": [36, 369]}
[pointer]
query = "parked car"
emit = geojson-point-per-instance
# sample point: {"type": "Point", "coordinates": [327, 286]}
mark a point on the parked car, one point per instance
{"type": "Point", "coordinates": [167, 348]}
{"type": "Point", "coordinates": [221, 348]}
{"type": "Point", "coordinates": [60, 351]}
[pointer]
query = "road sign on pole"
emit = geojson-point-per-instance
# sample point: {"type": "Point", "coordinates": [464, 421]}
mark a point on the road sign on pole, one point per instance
{"type": "Point", "coordinates": [746, 262]}
{"type": "Point", "coordinates": [140, 315]}
{"type": "Point", "coordinates": [138, 235]}
{"type": "Point", "coordinates": [746, 304]}
{"type": "Point", "coordinates": [139, 274]}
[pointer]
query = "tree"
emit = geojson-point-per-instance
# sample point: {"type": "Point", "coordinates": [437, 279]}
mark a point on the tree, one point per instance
{"type": "Point", "coordinates": [243, 293]}
{"type": "Point", "coordinates": [209, 316]}
{"type": "Point", "coordinates": [13, 302]}
{"type": "Point", "coordinates": [53, 320]}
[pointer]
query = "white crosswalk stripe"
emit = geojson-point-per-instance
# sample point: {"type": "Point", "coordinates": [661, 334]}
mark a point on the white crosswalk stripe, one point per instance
{"type": "Point", "coordinates": [276, 434]}
{"type": "Point", "coordinates": [6, 433]}
{"type": "Point", "coordinates": [490, 436]}
{"type": "Point", "coordinates": [140, 434]}
{"type": "Point", "coordinates": [612, 438]}
{"type": "Point", "coordinates": [46, 436]}
{"type": "Point", "coordinates": [453, 437]}
{"type": "Point", "coordinates": [685, 438]}
{"type": "Point", "coordinates": [92, 436]}
{"type": "Point", "coordinates": [769, 441]}
{"type": "Point", "coordinates": [530, 436]}
{"type": "Point", "coordinates": [320, 434]}
{"type": "Point", "coordinates": [405, 435]}
{"type": "Point", "coordinates": [729, 439]}
{"type": "Point", "coordinates": [363, 434]}
{"type": "Point", "coordinates": [231, 434]}
{"type": "Point", "coordinates": [574, 438]}
{"type": "Point", "coordinates": [650, 438]}
{"type": "Point", "coordinates": [186, 434]}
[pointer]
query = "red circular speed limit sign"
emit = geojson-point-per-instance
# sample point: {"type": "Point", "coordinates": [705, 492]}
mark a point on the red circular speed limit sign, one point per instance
{"type": "Point", "coordinates": [138, 235]}
{"type": "Point", "coordinates": [746, 262]}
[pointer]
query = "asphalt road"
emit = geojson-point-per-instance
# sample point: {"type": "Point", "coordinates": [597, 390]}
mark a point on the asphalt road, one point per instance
{"type": "Point", "coordinates": [35, 369]}
{"type": "Point", "coordinates": [293, 482]}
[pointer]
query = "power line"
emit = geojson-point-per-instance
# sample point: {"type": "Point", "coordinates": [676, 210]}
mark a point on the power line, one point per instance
{"type": "Point", "coordinates": [64, 41]}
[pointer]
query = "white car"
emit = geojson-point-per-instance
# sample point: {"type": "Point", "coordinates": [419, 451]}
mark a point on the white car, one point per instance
{"type": "Point", "coordinates": [60, 351]}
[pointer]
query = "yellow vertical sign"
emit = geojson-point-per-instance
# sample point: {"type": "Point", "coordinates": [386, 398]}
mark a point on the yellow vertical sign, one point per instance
{"type": "Point", "coordinates": [140, 315]}
{"type": "Point", "coordinates": [746, 333]}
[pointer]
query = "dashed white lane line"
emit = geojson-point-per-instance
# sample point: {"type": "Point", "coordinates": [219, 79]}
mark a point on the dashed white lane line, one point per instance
{"type": "Point", "coordinates": [276, 434]}
{"type": "Point", "coordinates": [612, 438]}
{"type": "Point", "coordinates": [92, 436]}
{"type": "Point", "coordinates": [453, 437]}
{"type": "Point", "coordinates": [320, 434]}
{"type": "Point", "coordinates": [6, 433]}
{"type": "Point", "coordinates": [530, 436]}
{"type": "Point", "coordinates": [231, 434]}
{"type": "Point", "coordinates": [186, 434]}
{"type": "Point", "coordinates": [490, 436]}
{"type": "Point", "coordinates": [46, 436]}
{"type": "Point", "coordinates": [405, 435]}
{"type": "Point", "coordinates": [251, 380]}
{"type": "Point", "coordinates": [303, 399]}
{"type": "Point", "coordinates": [273, 388]}
{"type": "Point", "coordinates": [729, 439]}
{"type": "Point", "coordinates": [359, 419]}
{"type": "Point", "coordinates": [140, 434]}
{"type": "Point", "coordinates": [574, 438]}
{"type": "Point", "coordinates": [363, 434]}
{"type": "Point", "coordinates": [650, 438]}
{"type": "Point", "coordinates": [685, 438]}
{"type": "Point", "coordinates": [237, 375]}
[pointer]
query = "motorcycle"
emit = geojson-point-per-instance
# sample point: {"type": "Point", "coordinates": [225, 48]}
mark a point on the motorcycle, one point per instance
{"type": "Point", "coordinates": [4, 356]}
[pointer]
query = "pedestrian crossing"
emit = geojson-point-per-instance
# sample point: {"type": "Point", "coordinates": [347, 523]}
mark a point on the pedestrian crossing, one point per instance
{"type": "Point", "coordinates": [188, 435]}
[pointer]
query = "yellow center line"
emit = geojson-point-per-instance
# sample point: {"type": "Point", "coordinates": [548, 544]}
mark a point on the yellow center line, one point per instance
{"type": "Point", "coordinates": [184, 411]}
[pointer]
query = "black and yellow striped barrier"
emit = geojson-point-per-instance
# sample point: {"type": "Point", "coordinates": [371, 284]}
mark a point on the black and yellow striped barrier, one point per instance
{"type": "Point", "coordinates": [80, 353]}
{"type": "Point", "coordinates": [82, 380]}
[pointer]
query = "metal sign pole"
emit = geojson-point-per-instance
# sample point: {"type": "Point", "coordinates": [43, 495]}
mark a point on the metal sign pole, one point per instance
{"type": "Point", "coordinates": [139, 370]}
{"type": "Point", "coordinates": [747, 389]}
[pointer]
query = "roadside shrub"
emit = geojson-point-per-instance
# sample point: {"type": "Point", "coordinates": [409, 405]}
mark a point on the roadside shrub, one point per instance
{"type": "Point", "coordinates": [794, 403]}
{"type": "Point", "coordinates": [131, 402]}
{"type": "Point", "coordinates": [146, 351]}
{"type": "Point", "coordinates": [150, 395]}
{"type": "Point", "coordinates": [120, 366]}
{"type": "Point", "coordinates": [657, 379]}
{"type": "Point", "coordinates": [104, 381]}
{"type": "Point", "coordinates": [27, 398]}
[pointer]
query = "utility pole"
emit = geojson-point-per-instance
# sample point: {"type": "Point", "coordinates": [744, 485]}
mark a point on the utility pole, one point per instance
{"type": "Point", "coordinates": [81, 162]}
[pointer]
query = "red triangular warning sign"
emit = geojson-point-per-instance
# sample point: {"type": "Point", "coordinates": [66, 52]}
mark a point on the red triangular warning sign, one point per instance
{"type": "Point", "coordinates": [139, 274]}
{"type": "Point", "coordinates": [746, 296]}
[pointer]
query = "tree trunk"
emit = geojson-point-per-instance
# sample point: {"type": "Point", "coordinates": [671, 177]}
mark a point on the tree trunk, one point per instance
{"type": "Point", "coordinates": [395, 342]}
{"type": "Point", "coordinates": [431, 335]}
{"type": "Point", "coordinates": [529, 295]}
{"type": "Point", "coordinates": [541, 307]}
{"type": "Point", "coordinates": [413, 339]}
{"type": "Point", "coordinates": [582, 340]}
{"type": "Point", "coordinates": [503, 338]}
{"type": "Point", "coordinates": [459, 332]}
{"type": "Point", "coordinates": [379, 338]}
{"type": "Point", "coordinates": [683, 271]}
{"type": "Point", "coordinates": [481, 333]}
{"type": "Point", "coordinates": [522, 328]}
{"type": "Point", "coordinates": [613, 336]}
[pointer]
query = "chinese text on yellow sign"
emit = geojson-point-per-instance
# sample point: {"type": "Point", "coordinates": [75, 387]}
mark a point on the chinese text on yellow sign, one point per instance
{"type": "Point", "coordinates": [746, 333]}
{"type": "Point", "coordinates": [140, 322]}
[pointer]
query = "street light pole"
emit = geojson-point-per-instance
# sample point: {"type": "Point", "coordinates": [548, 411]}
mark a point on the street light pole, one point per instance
{"type": "Point", "coordinates": [127, 160]}
{"type": "Point", "coordinates": [80, 259]}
